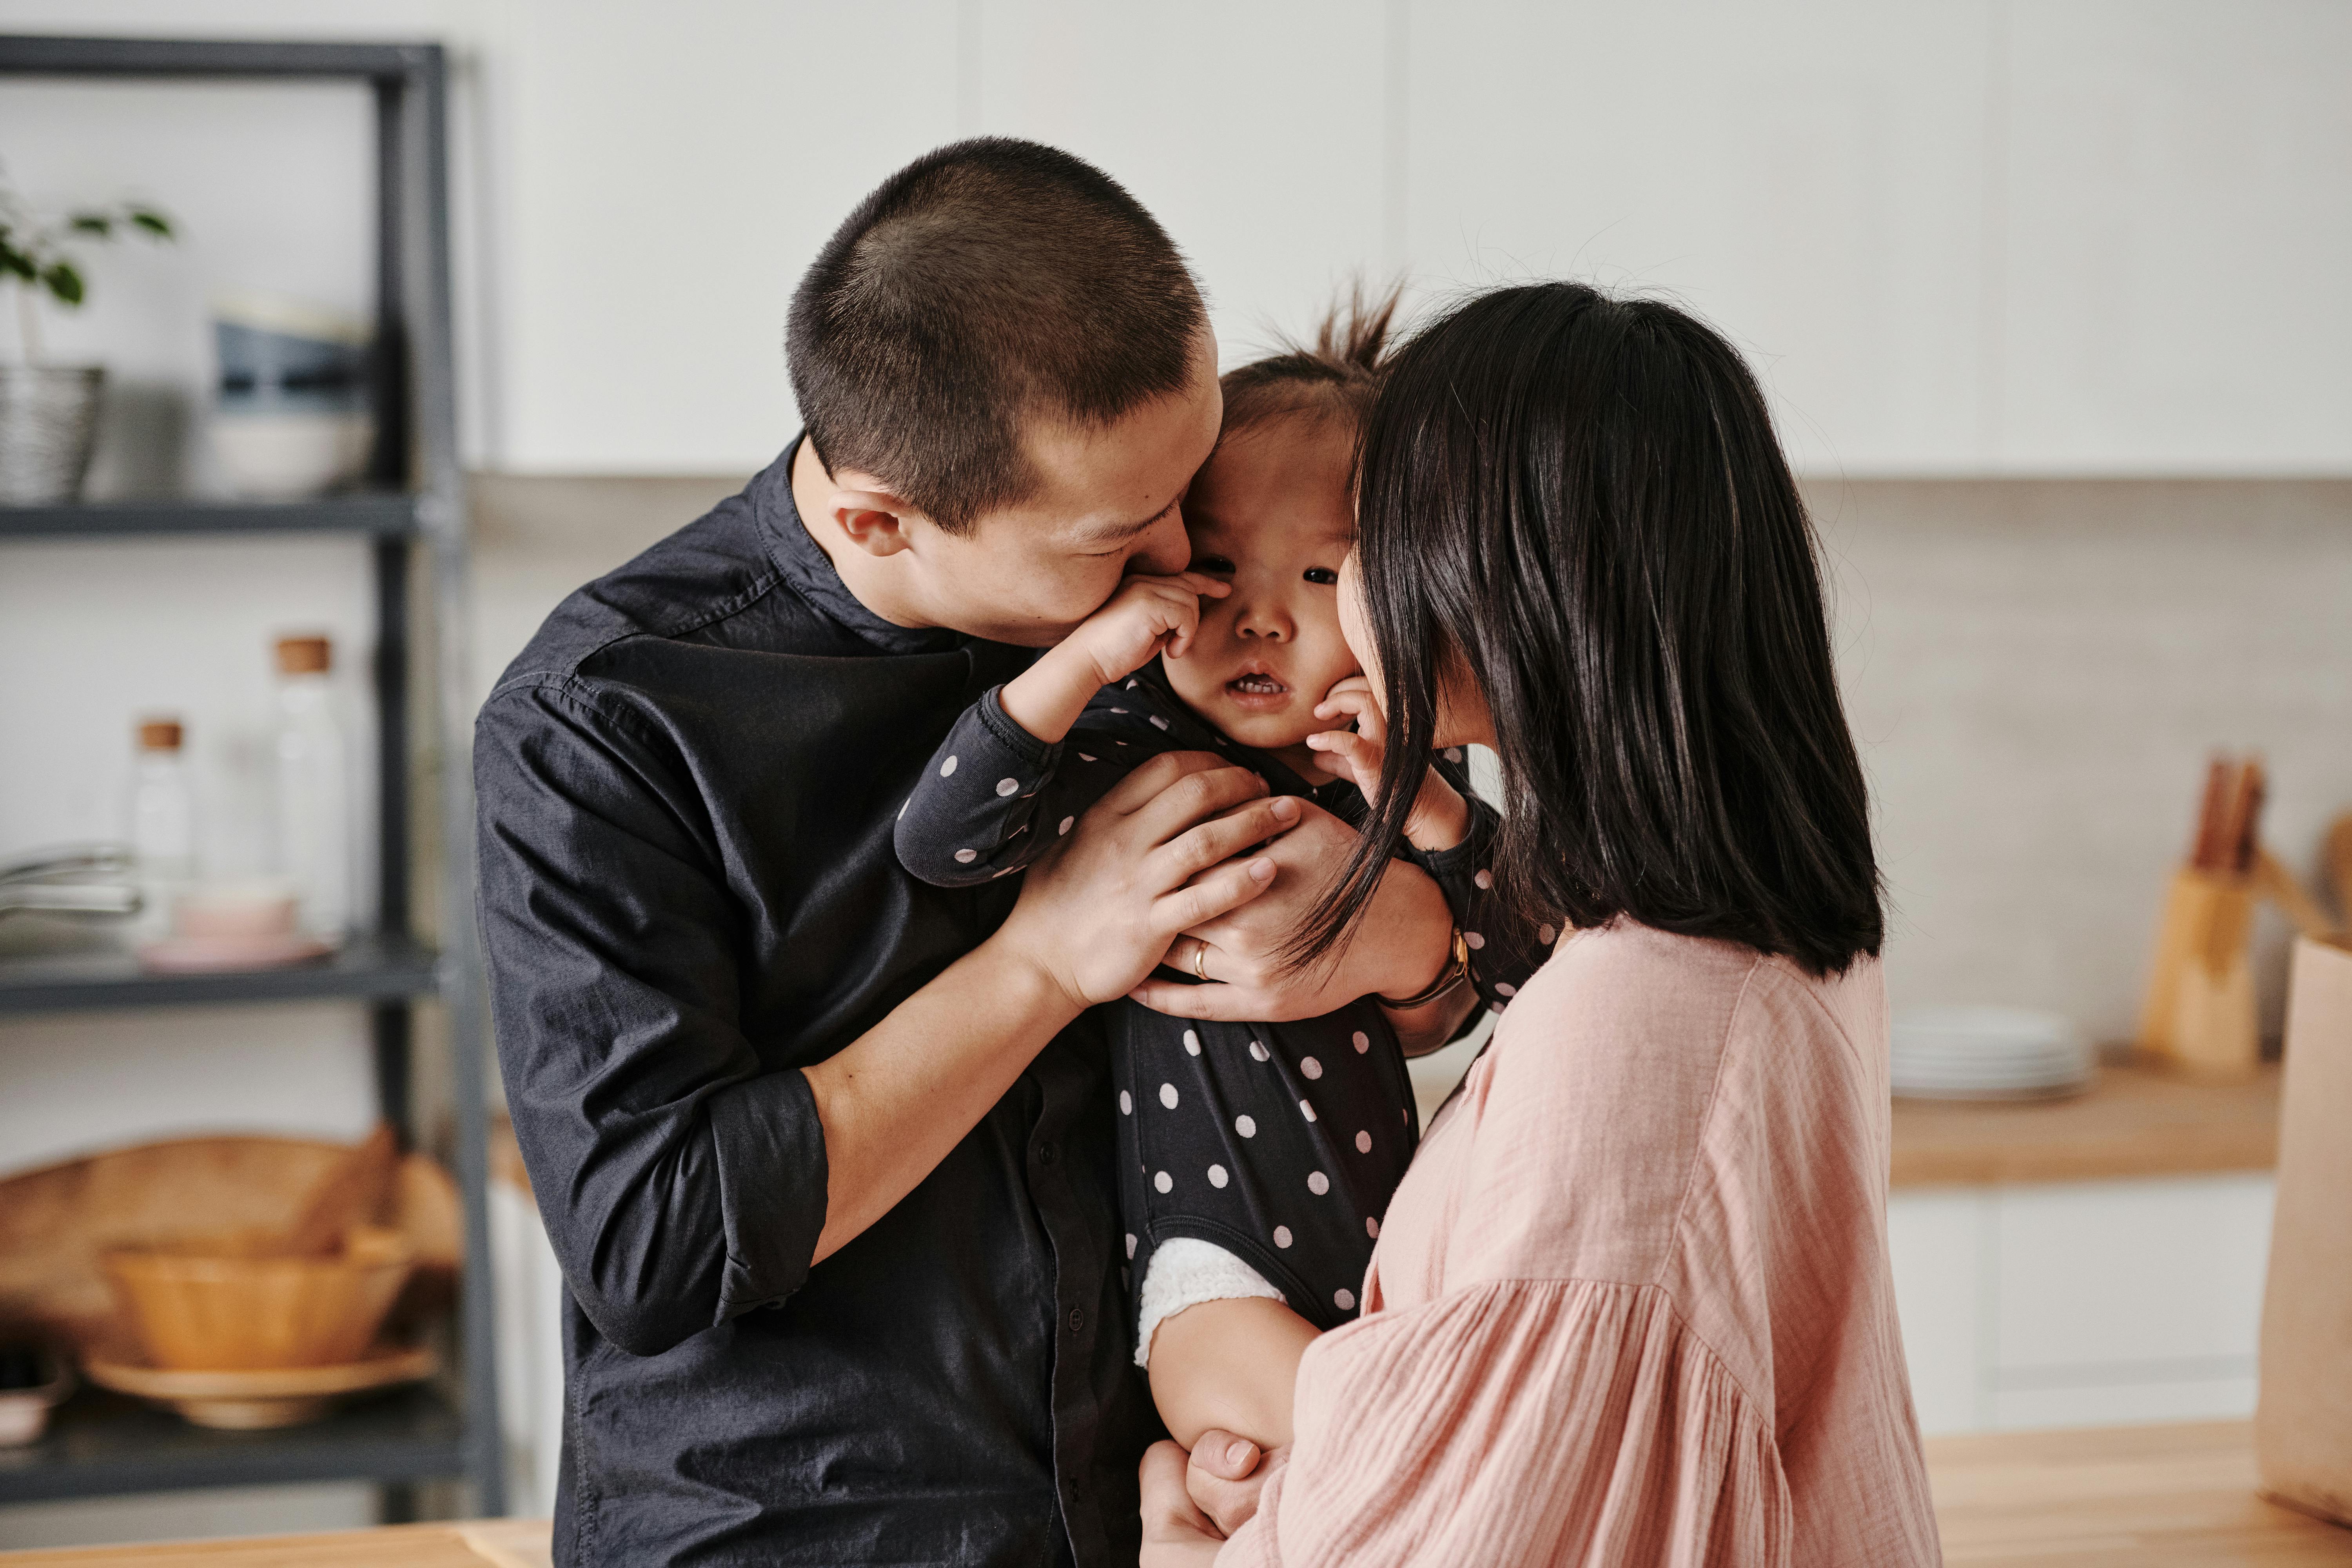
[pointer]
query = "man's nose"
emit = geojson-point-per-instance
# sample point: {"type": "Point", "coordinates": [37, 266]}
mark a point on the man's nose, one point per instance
{"type": "Point", "coordinates": [1164, 549]}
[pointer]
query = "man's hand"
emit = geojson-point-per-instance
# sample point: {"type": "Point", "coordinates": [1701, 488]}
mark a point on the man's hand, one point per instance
{"type": "Point", "coordinates": [1176, 1534]}
{"type": "Point", "coordinates": [1400, 948]}
{"type": "Point", "coordinates": [1223, 1475]}
{"type": "Point", "coordinates": [1155, 855]}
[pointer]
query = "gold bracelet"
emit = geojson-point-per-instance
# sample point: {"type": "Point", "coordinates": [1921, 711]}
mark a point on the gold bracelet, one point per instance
{"type": "Point", "coordinates": [1455, 971]}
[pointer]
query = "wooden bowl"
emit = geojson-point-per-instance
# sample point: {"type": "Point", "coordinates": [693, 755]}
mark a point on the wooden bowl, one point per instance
{"type": "Point", "coordinates": [260, 1400]}
{"type": "Point", "coordinates": [210, 1306]}
{"type": "Point", "coordinates": [57, 1222]}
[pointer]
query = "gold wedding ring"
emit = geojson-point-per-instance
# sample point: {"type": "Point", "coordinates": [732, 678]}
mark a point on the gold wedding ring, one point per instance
{"type": "Point", "coordinates": [1201, 959]}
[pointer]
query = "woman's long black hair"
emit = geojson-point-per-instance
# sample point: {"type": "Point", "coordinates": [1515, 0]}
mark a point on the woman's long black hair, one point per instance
{"type": "Point", "coordinates": [1577, 503]}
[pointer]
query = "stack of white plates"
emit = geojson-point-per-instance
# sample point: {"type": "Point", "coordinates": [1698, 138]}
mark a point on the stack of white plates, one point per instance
{"type": "Point", "coordinates": [1988, 1053]}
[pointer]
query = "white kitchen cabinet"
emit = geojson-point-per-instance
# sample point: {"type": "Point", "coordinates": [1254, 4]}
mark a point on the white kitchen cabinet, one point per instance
{"type": "Point", "coordinates": [2174, 190]}
{"type": "Point", "coordinates": [2081, 1303]}
{"type": "Point", "coordinates": [1810, 179]}
{"type": "Point", "coordinates": [1252, 131]}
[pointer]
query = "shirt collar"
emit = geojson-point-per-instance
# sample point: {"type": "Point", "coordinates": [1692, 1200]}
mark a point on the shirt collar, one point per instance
{"type": "Point", "coordinates": [811, 571]}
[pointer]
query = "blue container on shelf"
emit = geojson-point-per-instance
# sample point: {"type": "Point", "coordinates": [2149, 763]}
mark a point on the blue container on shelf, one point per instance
{"type": "Point", "coordinates": [292, 419]}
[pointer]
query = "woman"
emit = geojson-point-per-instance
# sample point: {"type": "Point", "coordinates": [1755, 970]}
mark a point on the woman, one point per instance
{"type": "Point", "coordinates": [1632, 1302]}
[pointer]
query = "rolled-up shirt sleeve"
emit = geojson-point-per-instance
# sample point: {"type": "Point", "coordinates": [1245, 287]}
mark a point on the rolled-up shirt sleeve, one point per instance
{"type": "Point", "coordinates": [682, 1183]}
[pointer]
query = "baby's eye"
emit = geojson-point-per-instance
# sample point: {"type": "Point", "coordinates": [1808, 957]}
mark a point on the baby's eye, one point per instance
{"type": "Point", "coordinates": [1217, 565]}
{"type": "Point", "coordinates": [1323, 574]}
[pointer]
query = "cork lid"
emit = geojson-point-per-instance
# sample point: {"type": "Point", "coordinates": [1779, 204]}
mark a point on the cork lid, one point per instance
{"type": "Point", "coordinates": [304, 656]}
{"type": "Point", "coordinates": [159, 734]}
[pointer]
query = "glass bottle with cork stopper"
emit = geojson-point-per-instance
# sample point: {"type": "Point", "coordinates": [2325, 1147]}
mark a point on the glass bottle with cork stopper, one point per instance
{"type": "Point", "coordinates": [314, 841]}
{"type": "Point", "coordinates": [161, 820]}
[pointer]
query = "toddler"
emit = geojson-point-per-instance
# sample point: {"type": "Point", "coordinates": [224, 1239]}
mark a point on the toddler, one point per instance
{"type": "Point", "coordinates": [1255, 1160]}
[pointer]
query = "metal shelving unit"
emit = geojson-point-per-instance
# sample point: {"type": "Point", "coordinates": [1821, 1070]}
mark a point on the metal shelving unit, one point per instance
{"type": "Point", "coordinates": [100, 1445]}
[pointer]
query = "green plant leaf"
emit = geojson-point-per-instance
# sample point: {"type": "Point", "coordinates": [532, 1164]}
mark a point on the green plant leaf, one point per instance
{"type": "Point", "coordinates": [98, 224]}
{"type": "Point", "coordinates": [154, 222]}
{"type": "Point", "coordinates": [64, 282]}
{"type": "Point", "coordinates": [16, 263]}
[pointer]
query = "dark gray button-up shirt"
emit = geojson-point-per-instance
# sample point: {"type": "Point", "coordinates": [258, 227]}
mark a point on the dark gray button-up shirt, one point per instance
{"type": "Point", "coordinates": [688, 891]}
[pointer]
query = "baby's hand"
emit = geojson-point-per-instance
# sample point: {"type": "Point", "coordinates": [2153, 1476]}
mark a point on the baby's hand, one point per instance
{"type": "Point", "coordinates": [1148, 615]}
{"type": "Point", "coordinates": [1355, 756]}
{"type": "Point", "coordinates": [1440, 818]}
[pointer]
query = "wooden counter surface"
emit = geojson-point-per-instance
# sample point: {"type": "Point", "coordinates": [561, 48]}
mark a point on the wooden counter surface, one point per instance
{"type": "Point", "coordinates": [2120, 1497]}
{"type": "Point", "coordinates": [2135, 1121]}
{"type": "Point", "coordinates": [488, 1543]}
{"type": "Point", "coordinates": [2125, 1497]}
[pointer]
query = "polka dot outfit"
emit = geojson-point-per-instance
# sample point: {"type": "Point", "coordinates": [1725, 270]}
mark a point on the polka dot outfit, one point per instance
{"type": "Point", "coordinates": [1279, 1142]}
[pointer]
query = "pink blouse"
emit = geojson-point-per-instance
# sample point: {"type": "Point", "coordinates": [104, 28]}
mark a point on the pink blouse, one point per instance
{"type": "Point", "coordinates": [1632, 1304]}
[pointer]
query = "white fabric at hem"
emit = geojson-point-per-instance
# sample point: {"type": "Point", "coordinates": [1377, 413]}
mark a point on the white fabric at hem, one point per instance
{"type": "Point", "coordinates": [1185, 1272]}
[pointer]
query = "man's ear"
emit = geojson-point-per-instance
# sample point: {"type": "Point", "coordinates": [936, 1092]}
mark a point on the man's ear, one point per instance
{"type": "Point", "coordinates": [869, 516]}
{"type": "Point", "coordinates": [874, 520]}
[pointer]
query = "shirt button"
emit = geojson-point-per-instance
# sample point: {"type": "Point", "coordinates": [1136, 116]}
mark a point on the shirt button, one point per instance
{"type": "Point", "coordinates": [1078, 1319]}
{"type": "Point", "coordinates": [1046, 1153]}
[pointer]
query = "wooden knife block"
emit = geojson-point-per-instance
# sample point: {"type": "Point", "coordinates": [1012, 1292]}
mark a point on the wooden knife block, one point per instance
{"type": "Point", "coordinates": [2199, 1013]}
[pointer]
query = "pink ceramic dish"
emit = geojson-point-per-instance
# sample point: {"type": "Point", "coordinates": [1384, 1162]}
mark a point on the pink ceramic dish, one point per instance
{"type": "Point", "coordinates": [201, 955]}
{"type": "Point", "coordinates": [246, 910]}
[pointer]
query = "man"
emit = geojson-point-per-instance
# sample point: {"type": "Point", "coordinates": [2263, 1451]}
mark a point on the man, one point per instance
{"type": "Point", "coordinates": [824, 1153]}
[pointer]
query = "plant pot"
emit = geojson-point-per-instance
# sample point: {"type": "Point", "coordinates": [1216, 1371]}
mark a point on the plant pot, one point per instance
{"type": "Point", "coordinates": [48, 421]}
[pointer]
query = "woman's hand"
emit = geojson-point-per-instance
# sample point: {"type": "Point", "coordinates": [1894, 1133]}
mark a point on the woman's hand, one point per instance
{"type": "Point", "coordinates": [1156, 855]}
{"type": "Point", "coordinates": [1176, 1533]}
{"type": "Point", "coordinates": [1440, 818]}
{"type": "Point", "coordinates": [1401, 948]}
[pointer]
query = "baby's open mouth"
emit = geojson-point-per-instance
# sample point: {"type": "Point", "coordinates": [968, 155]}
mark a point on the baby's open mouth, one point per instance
{"type": "Point", "coordinates": [1255, 689]}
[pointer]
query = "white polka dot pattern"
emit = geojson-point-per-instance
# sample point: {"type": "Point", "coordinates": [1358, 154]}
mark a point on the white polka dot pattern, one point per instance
{"type": "Point", "coordinates": [966, 857]}
{"type": "Point", "coordinates": [1546, 935]}
{"type": "Point", "coordinates": [1345, 1298]}
{"type": "Point", "coordinates": [1485, 879]}
{"type": "Point", "coordinates": [1310, 1066]}
{"type": "Point", "coordinates": [1163, 1182]}
{"type": "Point", "coordinates": [1084, 758]}
{"type": "Point", "coordinates": [1126, 1103]}
{"type": "Point", "coordinates": [1246, 1125]}
{"type": "Point", "coordinates": [1168, 1095]}
{"type": "Point", "coordinates": [1453, 753]}
{"type": "Point", "coordinates": [1473, 941]}
{"type": "Point", "coordinates": [1505, 988]}
{"type": "Point", "coordinates": [1364, 1042]}
{"type": "Point", "coordinates": [1217, 1177]}
{"type": "Point", "coordinates": [1318, 1183]}
{"type": "Point", "coordinates": [1192, 1044]}
{"type": "Point", "coordinates": [947, 767]}
{"type": "Point", "coordinates": [1156, 719]}
{"type": "Point", "coordinates": [1363, 1143]}
{"type": "Point", "coordinates": [1130, 1247]}
{"type": "Point", "coordinates": [1306, 1110]}
{"type": "Point", "coordinates": [1259, 1051]}
{"type": "Point", "coordinates": [1372, 1228]}
{"type": "Point", "coordinates": [1007, 786]}
{"type": "Point", "coordinates": [1281, 1236]}
{"type": "Point", "coordinates": [1066, 823]}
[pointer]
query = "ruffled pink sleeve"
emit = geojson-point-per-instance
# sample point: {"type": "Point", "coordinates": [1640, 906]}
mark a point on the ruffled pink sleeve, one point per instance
{"type": "Point", "coordinates": [1519, 1422]}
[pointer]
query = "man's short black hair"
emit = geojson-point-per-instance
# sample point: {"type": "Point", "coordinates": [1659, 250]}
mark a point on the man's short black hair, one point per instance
{"type": "Point", "coordinates": [987, 282]}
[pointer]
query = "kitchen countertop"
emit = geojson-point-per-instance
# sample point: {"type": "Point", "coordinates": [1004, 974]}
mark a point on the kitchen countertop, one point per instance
{"type": "Point", "coordinates": [2123, 1497]}
{"type": "Point", "coordinates": [2134, 1122]}
{"type": "Point", "coordinates": [2119, 1497]}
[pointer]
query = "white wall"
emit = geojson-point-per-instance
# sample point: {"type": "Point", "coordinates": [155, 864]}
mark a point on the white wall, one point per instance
{"type": "Point", "coordinates": [2098, 237]}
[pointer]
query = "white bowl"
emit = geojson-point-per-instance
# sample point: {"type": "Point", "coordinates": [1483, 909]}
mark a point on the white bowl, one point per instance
{"type": "Point", "coordinates": [291, 457]}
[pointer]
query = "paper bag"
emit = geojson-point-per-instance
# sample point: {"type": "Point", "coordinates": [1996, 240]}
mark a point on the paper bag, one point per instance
{"type": "Point", "coordinates": [2303, 1428]}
